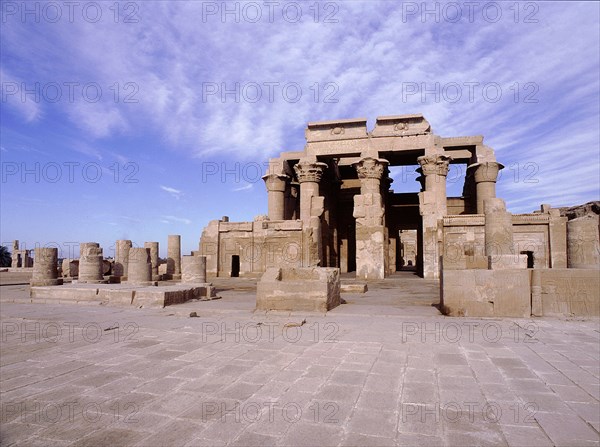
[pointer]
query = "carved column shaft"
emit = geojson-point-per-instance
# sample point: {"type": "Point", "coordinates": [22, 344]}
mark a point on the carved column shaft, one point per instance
{"type": "Point", "coordinates": [309, 175]}
{"type": "Point", "coordinates": [435, 169]}
{"type": "Point", "coordinates": [369, 212]}
{"type": "Point", "coordinates": [276, 184]}
{"type": "Point", "coordinates": [485, 176]}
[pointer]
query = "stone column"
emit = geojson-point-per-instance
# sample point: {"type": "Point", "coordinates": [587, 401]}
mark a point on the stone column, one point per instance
{"type": "Point", "coordinates": [45, 268]}
{"type": "Point", "coordinates": [369, 213]}
{"type": "Point", "coordinates": [435, 169]}
{"type": "Point", "coordinates": [309, 173]}
{"type": "Point", "coordinates": [90, 263]}
{"type": "Point", "coordinates": [485, 176]}
{"type": "Point", "coordinates": [140, 267]}
{"type": "Point", "coordinates": [499, 244]}
{"type": "Point", "coordinates": [193, 269]}
{"type": "Point", "coordinates": [433, 207]}
{"type": "Point", "coordinates": [275, 184]}
{"type": "Point", "coordinates": [15, 255]}
{"type": "Point", "coordinates": [583, 243]}
{"type": "Point", "coordinates": [174, 257]}
{"type": "Point", "coordinates": [122, 248]}
{"type": "Point", "coordinates": [153, 247]}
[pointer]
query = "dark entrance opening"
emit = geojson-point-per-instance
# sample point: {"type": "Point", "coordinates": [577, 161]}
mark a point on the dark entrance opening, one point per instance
{"type": "Point", "coordinates": [235, 266]}
{"type": "Point", "coordinates": [529, 258]}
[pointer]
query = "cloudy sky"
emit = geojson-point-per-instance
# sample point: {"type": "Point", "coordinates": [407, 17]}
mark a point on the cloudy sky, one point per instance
{"type": "Point", "coordinates": [145, 119]}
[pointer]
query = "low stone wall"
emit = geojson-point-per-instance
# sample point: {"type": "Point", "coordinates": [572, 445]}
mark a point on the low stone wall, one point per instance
{"type": "Point", "coordinates": [122, 294]}
{"type": "Point", "coordinates": [509, 293]}
{"type": "Point", "coordinates": [486, 293]}
{"type": "Point", "coordinates": [299, 289]}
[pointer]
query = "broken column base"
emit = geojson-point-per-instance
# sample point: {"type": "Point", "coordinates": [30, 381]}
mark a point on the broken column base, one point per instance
{"type": "Point", "coordinates": [314, 289]}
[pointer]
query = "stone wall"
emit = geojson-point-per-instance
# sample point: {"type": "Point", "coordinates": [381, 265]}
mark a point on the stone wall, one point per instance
{"type": "Point", "coordinates": [257, 245]}
{"type": "Point", "coordinates": [511, 292]}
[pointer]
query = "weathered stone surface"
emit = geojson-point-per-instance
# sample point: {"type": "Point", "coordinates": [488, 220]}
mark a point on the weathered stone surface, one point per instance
{"type": "Point", "coordinates": [140, 266]}
{"type": "Point", "coordinates": [153, 247]}
{"type": "Point", "coordinates": [122, 248]}
{"type": "Point", "coordinates": [486, 293]}
{"type": "Point", "coordinates": [353, 288]}
{"type": "Point", "coordinates": [45, 267]}
{"type": "Point", "coordinates": [70, 268]}
{"type": "Point", "coordinates": [574, 212]}
{"type": "Point", "coordinates": [566, 292]}
{"type": "Point", "coordinates": [90, 263]}
{"type": "Point", "coordinates": [122, 294]}
{"type": "Point", "coordinates": [299, 289]}
{"type": "Point", "coordinates": [174, 256]}
{"type": "Point", "coordinates": [498, 228]}
{"type": "Point", "coordinates": [193, 269]}
{"type": "Point", "coordinates": [583, 242]}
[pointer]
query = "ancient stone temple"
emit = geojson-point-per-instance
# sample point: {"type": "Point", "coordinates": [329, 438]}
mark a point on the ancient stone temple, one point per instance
{"type": "Point", "coordinates": [331, 205]}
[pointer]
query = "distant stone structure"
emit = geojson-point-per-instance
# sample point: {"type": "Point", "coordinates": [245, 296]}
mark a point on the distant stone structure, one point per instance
{"type": "Point", "coordinates": [20, 258]}
{"type": "Point", "coordinates": [330, 205]}
{"type": "Point", "coordinates": [331, 211]}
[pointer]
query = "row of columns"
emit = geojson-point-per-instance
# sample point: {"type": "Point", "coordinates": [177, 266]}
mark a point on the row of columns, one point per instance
{"type": "Point", "coordinates": [136, 265]}
{"type": "Point", "coordinates": [369, 206]}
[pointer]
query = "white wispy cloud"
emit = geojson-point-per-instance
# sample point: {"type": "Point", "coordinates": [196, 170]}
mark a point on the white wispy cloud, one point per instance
{"type": "Point", "coordinates": [244, 188]}
{"type": "Point", "coordinates": [174, 219]}
{"type": "Point", "coordinates": [176, 193]}
{"type": "Point", "coordinates": [367, 63]}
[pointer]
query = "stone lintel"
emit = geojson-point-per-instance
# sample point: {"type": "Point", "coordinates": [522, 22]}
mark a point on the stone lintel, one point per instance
{"type": "Point", "coordinates": [473, 140]}
{"type": "Point", "coordinates": [400, 125]}
{"type": "Point", "coordinates": [336, 130]}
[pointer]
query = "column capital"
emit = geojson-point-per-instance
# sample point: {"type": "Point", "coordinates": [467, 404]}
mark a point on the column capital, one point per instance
{"type": "Point", "coordinates": [369, 167]}
{"type": "Point", "coordinates": [434, 164]}
{"type": "Point", "coordinates": [485, 171]}
{"type": "Point", "coordinates": [309, 171]}
{"type": "Point", "coordinates": [275, 182]}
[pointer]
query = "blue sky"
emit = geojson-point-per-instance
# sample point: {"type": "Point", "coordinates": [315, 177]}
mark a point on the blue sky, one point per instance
{"type": "Point", "coordinates": [155, 117]}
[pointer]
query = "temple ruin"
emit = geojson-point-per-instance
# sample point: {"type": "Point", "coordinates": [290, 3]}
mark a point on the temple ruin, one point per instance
{"type": "Point", "coordinates": [331, 212]}
{"type": "Point", "coordinates": [331, 206]}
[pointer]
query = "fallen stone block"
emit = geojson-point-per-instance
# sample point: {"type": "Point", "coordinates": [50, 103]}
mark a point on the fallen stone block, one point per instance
{"type": "Point", "coordinates": [353, 288]}
{"type": "Point", "coordinates": [299, 289]}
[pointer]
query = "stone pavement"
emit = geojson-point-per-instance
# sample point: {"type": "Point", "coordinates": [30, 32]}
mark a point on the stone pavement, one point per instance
{"type": "Point", "coordinates": [383, 369]}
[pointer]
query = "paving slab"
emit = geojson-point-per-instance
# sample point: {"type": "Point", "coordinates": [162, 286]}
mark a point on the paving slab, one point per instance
{"type": "Point", "coordinates": [386, 368]}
